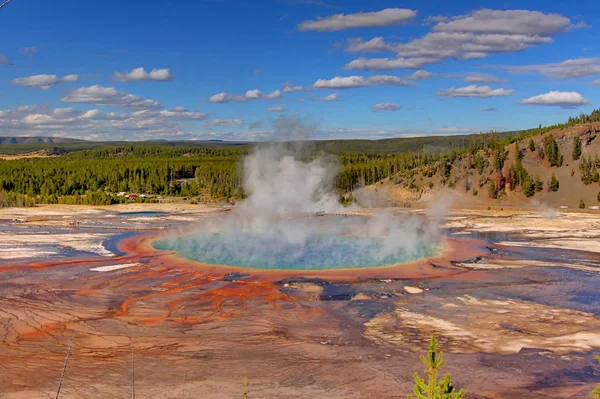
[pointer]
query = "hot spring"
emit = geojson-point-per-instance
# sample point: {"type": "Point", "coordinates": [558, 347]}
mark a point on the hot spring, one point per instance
{"type": "Point", "coordinates": [276, 226]}
{"type": "Point", "coordinates": [327, 244]}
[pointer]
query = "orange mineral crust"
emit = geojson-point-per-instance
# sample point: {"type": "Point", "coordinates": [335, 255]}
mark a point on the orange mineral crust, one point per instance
{"type": "Point", "coordinates": [440, 265]}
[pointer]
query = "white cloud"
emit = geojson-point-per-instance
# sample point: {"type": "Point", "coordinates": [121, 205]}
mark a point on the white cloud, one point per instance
{"type": "Point", "coordinates": [273, 95]}
{"type": "Point", "coordinates": [435, 19]}
{"type": "Point", "coordinates": [70, 78]}
{"type": "Point", "coordinates": [226, 122]}
{"type": "Point", "coordinates": [474, 91]}
{"type": "Point", "coordinates": [375, 45]}
{"type": "Point", "coordinates": [580, 25]}
{"type": "Point", "coordinates": [420, 74]}
{"type": "Point", "coordinates": [349, 82]}
{"type": "Point", "coordinates": [31, 50]}
{"type": "Point", "coordinates": [254, 94]}
{"type": "Point", "coordinates": [330, 97]}
{"type": "Point", "coordinates": [64, 112]}
{"type": "Point", "coordinates": [511, 22]}
{"type": "Point", "coordinates": [287, 88]}
{"type": "Point", "coordinates": [219, 98]}
{"type": "Point", "coordinates": [277, 109]}
{"type": "Point", "coordinates": [596, 82]}
{"type": "Point", "coordinates": [44, 81]}
{"type": "Point", "coordinates": [452, 129]}
{"type": "Point", "coordinates": [481, 78]}
{"type": "Point", "coordinates": [488, 110]}
{"type": "Point", "coordinates": [470, 36]}
{"type": "Point", "coordinates": [140, 74]}
{"type": "Point", "coordinates": [176, 114]}
{"type": "Point", "coordinates": [4, 60]}
{"type": "Point", "coordinates": [572, 68]}
{"type": "Point", "coordinates": [108, 96]}
{"type": "Point", "coordinates": [93, 123]}
{"type": "Point", "coordinates": [32, 108]}
{"type": "Point", "coordinates": [386, 107]}
{"type": "Point", "coordinates": [380, 64]}
{"type": "Point", "coordinates": [570, 99]}
{"type": "Point", "coordinates": [389, 16]}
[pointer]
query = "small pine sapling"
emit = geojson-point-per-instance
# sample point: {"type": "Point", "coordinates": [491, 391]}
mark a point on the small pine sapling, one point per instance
{"type": "Point", "coordinates": [432, 388]}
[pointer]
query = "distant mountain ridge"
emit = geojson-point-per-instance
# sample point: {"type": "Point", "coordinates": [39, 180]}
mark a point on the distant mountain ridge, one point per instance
{"type": "Point", "coordinates": [37, 140]}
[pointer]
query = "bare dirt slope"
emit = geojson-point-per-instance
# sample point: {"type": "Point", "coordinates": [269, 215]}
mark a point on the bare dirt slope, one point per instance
{"type": "Point", "coordinates": [44, 153]}
{"type": "Point", "coordinates": [469, 188]}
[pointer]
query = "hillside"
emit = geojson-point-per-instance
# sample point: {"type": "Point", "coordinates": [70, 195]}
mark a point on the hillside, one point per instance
{"type": "Point", "coordinates": [474, 178]}
{"type": "Point", "coordinates": [20, 145]}
{"type": "Point", "coordinates": [37, 140]}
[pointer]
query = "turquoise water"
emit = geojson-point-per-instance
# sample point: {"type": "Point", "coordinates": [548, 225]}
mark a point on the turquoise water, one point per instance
{"type": "Point", "coordinates": [142, 214]}
{"type": "Point", "coordinates": [271, 251]}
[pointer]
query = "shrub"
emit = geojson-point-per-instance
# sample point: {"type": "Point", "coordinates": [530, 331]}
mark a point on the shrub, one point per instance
{"type": "Point", "coordinates": [581, 204]}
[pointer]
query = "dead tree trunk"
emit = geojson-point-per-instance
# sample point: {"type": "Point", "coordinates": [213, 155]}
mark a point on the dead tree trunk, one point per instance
{"type": "Point", "coordinates": [64, 370]}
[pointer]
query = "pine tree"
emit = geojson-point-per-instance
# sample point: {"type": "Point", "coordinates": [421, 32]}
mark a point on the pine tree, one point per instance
{"type": "Point", "coordinates": [528, 185]}
{"type": "Point", "coordinates": [499, 158]}
{"type": "Point", "coordinates": [552, 151]}
{"type": "Point", "coordinates": [434, 389]}
{"type": "Point", "coordinates": [554, 183]}
{"type": "Point", "coordinates": [531, 145]}
{"type": "Point", "coordinates": [576, 148]}
{"type": "Point", "coordinates": [518, 152]}
{"type": "Point", "coordinates": [493, 190]}
{"type": "Point", "coordinates": [585, 166]}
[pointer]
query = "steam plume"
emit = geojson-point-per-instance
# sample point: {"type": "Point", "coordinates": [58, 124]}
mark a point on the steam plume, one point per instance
{"type": "Point", "coordinates": [284, 182]}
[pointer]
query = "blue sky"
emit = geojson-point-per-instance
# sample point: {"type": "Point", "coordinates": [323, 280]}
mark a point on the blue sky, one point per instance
{"type": "Point", "coordinates": [217, 69]}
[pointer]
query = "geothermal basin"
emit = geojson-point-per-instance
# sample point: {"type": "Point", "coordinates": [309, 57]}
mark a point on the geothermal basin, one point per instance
{"type": "Point", "coordinates": [518, 307]}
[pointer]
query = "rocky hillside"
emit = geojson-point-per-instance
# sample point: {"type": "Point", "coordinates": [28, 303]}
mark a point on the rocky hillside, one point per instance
{"type": "Point", "coordinates": [559, 167]}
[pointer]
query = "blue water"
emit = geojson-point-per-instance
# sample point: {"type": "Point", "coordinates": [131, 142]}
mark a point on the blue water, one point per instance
{"type": "Point", "coordinates": [112, 243]}
{"type": "Point", "coordinates": [142, 214]}
{"type": "Point", "coordinates": [270, 251]}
